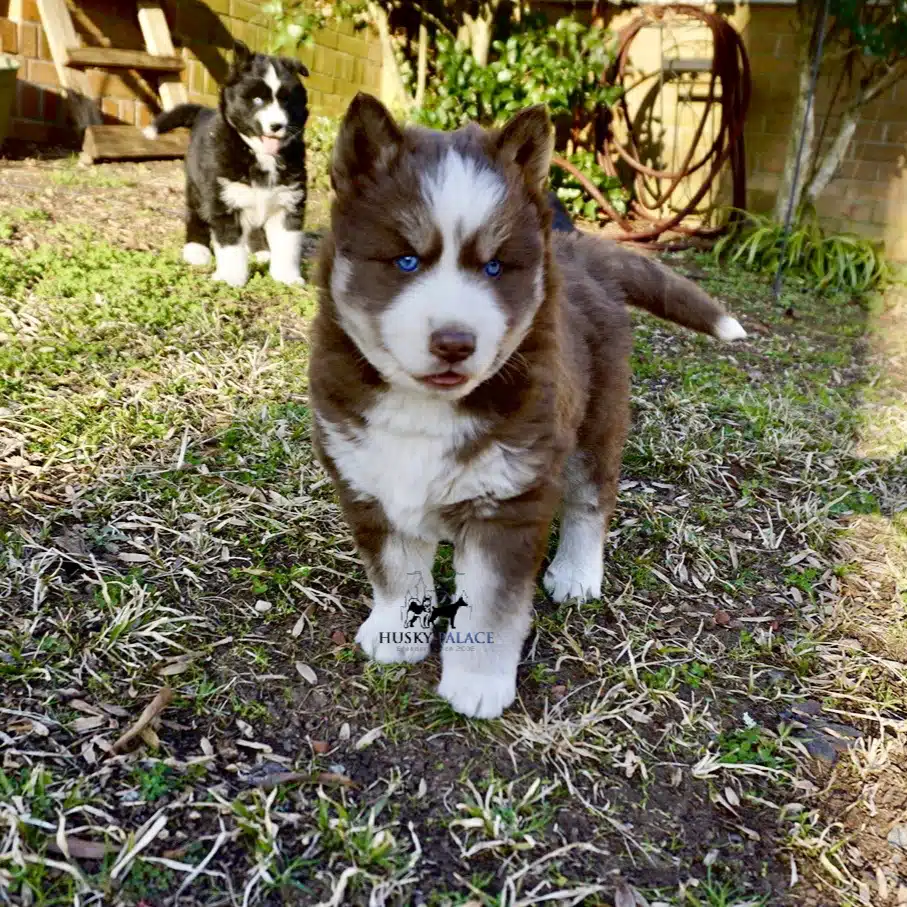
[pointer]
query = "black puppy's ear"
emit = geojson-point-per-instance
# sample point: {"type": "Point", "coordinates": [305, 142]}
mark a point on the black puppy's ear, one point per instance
{"type": "Point", "coordinates": [368, 143]}
{"type": "Point", "coordinates": [296, 66]}
{"type": "Point", "coordinates": [241, 54]}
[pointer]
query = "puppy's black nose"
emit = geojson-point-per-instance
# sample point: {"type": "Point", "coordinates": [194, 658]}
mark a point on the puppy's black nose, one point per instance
{"type": "Point", "coordinates": [452, 346]}
{"type": "Point", "coordinates": [275, 128]}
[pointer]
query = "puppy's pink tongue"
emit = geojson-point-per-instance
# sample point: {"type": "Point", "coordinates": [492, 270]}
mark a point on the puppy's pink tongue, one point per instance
{"type": "Point", "coordinates": [270, 144]}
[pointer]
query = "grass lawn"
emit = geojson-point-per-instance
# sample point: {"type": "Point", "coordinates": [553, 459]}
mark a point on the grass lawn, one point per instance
{"type": "Point", "coordinates": [725, 727]}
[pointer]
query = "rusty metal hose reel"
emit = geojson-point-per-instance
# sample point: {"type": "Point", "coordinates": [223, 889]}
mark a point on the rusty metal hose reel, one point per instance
{"type": "Point", "coordinates": [730, 70]}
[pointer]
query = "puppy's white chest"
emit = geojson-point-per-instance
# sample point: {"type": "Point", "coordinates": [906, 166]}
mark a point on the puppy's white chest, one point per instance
{"type": "Point", "coordinates": [256, 204]}
{"type": "Point", "coordinates": [405, 458]}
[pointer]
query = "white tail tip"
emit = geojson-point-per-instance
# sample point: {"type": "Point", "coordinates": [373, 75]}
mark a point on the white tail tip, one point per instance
{"type": "Point", "coordinates": [728, 328]}
{"type": "Point", "coordinates": [150, 132]}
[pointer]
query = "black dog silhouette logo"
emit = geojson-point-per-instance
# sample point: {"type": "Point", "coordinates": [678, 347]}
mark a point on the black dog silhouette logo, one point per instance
{"type": "Point", "coordinates": [421, 613]}
{"type": "Point", "coordinates": [419, 616]}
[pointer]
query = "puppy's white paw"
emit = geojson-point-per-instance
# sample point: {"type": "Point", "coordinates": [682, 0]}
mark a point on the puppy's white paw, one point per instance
{"type": "Point", "coordinates": [232, 265]}
{"type": "Point", "coordinates": [262, 256]}
{"type": "Point", "coordinates": [475, 695]}
{"type": "Point", "coordinates": [230, 278]}
{"type": "Point", "coordinates": [566, 578]}
{"type": "Point", "coordinates": [383, 638]}
{"type": "Point", "coordinates": [290, 278]}
{"type": "Point", "coordinates": [194, 253]}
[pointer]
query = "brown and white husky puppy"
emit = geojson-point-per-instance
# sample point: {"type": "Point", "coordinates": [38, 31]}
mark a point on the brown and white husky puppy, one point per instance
{"type": "Point", "coordinates": [469, 374]}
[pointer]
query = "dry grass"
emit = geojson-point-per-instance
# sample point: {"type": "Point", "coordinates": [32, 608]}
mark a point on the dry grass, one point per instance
{"type": "Point", "coordinates": [163, 526]}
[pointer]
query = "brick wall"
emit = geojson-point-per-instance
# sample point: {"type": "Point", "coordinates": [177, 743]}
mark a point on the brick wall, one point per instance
{"type": "Point", "coordinates": [868, 195]}
{"type": "Point", "coordinates": [342, 62]}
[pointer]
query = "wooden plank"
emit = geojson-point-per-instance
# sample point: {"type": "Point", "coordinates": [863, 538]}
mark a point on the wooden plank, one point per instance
{"type": "Point", "coordinates": [113, 58]}
{"type": "Point", "coordinates": [61, 35]}
{"type": "Point", "coordinates": [156, 33]}
{"type": "Point", "coordinates": [126, 143]}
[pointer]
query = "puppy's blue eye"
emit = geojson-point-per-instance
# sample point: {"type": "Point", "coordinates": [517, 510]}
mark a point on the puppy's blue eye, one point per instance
{"type": "Point", "coordinates": [493, 268]}
{"type": "Point", "coordinates": [407, 263]}
{"type": "Point", "coordinates": [258, 101]}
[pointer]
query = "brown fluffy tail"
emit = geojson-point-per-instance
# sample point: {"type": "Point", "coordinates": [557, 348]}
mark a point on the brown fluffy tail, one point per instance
{"type": "Point", "coordinates": [649, 285]}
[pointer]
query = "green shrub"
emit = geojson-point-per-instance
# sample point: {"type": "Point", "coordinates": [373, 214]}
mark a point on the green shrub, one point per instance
{"type": "Point", "coordinates": [840, 261]}
{"type": "Point", "coordinates": [561, 66]}
{"type": "Point", "coordinates": [292, 23]}
{"type": "Point", "coordinates": [320, 133]}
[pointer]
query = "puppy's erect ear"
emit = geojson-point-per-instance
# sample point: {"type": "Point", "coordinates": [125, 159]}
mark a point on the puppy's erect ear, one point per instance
{"type": "Point", "coordinates": [368, 143]}
{"type": "Point", "coordinates": [295, 66]}
{"type": "Point", "coordinates": [528, 141]}
{"type": "Point", "coordinates": [241, 53]}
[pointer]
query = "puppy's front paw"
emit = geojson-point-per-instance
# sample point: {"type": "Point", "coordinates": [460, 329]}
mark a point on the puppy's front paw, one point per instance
{"type": "Point", "coordinates": [566, 578]}
{"type": "Point", "coordinates": [477, 695]}
{"type": "Point", "coordinates": [383, 638]}
{"type": "Point", "coordinates": [289, 278]}
{"type": "Point", "coordinates": [194, 253]}
{"type": "Point", "coordinates": [230, 277]}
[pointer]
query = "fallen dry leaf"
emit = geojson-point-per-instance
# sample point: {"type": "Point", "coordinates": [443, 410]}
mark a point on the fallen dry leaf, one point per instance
{"type": "Point", "coordinates": [152, 710]}
{"type": "Point", "coordinates": [306, 673]}
{"type": "Point", "coordinates": [81, 849]}
{"type": "Point", "coordinates": [368, 738]}
{"type": "Point", "coordinates": [88, 723]}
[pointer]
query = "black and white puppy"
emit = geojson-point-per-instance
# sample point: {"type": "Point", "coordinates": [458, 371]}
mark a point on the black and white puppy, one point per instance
{"type": "Point", "coordinates": [245, 168]}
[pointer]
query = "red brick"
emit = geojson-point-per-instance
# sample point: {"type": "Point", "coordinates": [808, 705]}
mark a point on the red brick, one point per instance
{"type": "Point", "coordinates": [42, 133]}
{"type": "Point", "coordinates": [41, 72]}
{"type": "Point", "coordinates": [307, 55]}
{"type": "Point", "coordinates": [30, 11]}
{"type": "Point", "coordinates": [242, 9]}
{"type": "Point", "coordinates": [327, 37]}
{"type": "Point", "coordinates": [9, 37]}
{"type": "Point", "coordinates": [859, 212]}
{"type": "Point", "coordinates": [866, 131]}
{"type": "Point", "coordinates": [196, 77]}
{"type": "Point", "coordinates": [786, 48]}
{"type": "Point", "coordinates": [859, 170]}
{"type": "Point", "coordinates": [103, 84]}
{"type": "Point", "coordinates": [354, 46]}
{"type": "Point", "coordinates": [857, 190]}
{"type": "Point", "coordinates": [28, 39]}
{"type": "Point", "coordinates": [881, 152]}
{"type": "Point", "coordinates": [144, 114]}
{"type": "Point", "coordinates": [759, 42]}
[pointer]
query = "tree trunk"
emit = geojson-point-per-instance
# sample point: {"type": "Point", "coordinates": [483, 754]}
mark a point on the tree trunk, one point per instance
{"type": "Point", "coordinates": [803, 120]}
{"type": "Point", "coordinates": [830, 162]}
{"type": "Point", "coordinates": [832, 158]}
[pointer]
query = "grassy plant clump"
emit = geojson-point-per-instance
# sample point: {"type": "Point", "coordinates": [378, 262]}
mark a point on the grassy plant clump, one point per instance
{"type": "Point", "coordinates": [838, 261]}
